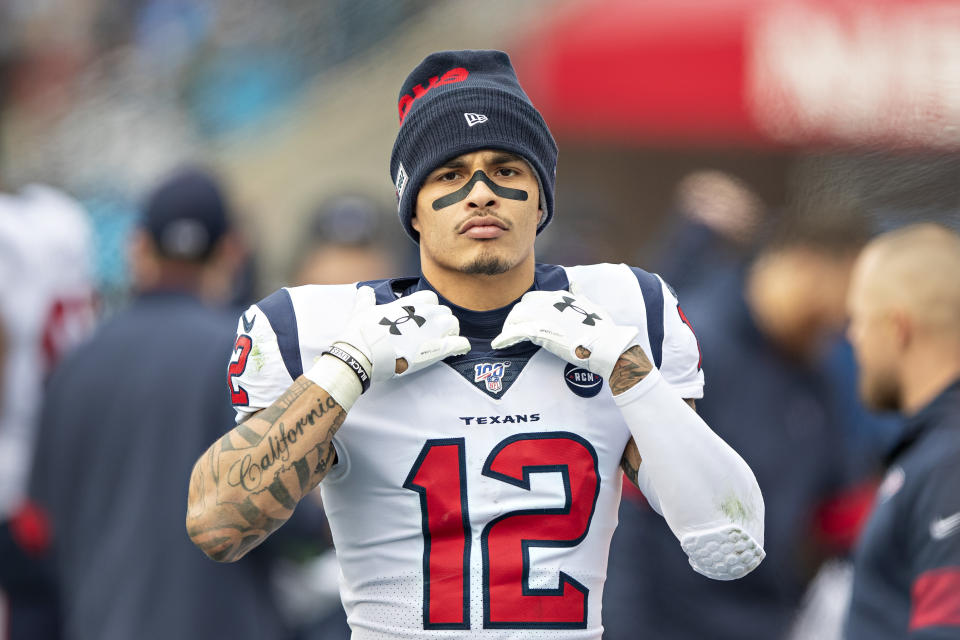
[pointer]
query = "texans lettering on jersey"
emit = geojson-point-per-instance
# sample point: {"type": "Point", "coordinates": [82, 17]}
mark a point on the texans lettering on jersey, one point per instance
{"type": "Point", "coordinates": [478, 496]}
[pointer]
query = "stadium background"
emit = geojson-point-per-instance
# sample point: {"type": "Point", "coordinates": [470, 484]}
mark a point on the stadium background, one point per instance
{"type": "Point", "coordinates": [811, 103]}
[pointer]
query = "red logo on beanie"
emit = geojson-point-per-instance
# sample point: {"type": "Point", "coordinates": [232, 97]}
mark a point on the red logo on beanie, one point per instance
{"type": "Point", "coordinates": [458, 74]}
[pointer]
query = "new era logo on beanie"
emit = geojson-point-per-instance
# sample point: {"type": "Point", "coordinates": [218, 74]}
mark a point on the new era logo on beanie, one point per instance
{"type": "Point", "coordinates": [474, 118]}
{"type": "Point", "coordinates": [481, 88]}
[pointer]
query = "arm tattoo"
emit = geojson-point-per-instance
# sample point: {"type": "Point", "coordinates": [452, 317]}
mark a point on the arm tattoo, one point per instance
{"type": "Point", "coordinates": [630, 463]}
{"type": "Point", "coordinates": [632, 367]}
{"type": "Point", "coordinates": [249, 481]}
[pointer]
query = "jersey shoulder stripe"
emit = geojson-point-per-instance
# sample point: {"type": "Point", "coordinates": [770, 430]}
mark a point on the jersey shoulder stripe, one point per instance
{"type": "Point", "coordinates": [278, 308]}
{"type": "Point", "coordinates": [653, 305]}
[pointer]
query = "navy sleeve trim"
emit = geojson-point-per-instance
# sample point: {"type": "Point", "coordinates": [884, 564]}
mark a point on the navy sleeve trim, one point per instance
{"type": "Point", "coordinates": [550, 277]}
{"type": "Point", "coordinates": [278, 307]}
{"type": "Point", "coordinates": [653, 301]}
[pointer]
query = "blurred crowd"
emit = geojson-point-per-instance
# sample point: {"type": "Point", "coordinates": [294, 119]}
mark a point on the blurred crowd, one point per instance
{"type": "Point", "coordinates": [103, 96]}
{"type": "Point", "coordinates": [121, 288]}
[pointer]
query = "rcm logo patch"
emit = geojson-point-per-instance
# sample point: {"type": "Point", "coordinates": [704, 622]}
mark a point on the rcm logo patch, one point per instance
{"type": "Point", "coordinates": [491, 374]}
{"type": "Point", "coordinates": [582, 382]}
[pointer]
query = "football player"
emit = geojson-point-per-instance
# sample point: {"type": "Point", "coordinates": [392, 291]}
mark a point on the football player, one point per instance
{"type": "Point", "coordinates": [46, 308]}
{"type": "Point", "coordinates": [469, 425]}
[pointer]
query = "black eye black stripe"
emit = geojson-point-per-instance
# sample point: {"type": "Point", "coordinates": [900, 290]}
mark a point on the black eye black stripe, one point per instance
{"type": "Point", "coordinates": [464, 191]}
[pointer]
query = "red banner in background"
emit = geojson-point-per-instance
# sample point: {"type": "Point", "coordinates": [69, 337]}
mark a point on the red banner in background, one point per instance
{"type": "Point", "coordinates": [880, 73]}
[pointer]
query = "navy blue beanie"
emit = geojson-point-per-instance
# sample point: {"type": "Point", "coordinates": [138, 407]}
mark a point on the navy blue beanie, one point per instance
{"type": "Point", "coordinates": [456, 102]}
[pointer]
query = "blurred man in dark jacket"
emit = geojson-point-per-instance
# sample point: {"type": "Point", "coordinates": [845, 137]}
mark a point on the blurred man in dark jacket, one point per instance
{"type": "Point", "coordinates": [763, 328]}
{"type": "Point", "coordinates": [904, 306]}
{"type": "Point", "coordinates": [125, 417]}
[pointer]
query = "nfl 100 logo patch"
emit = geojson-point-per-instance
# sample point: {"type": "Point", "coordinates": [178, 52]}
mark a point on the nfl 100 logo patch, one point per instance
{"type": "Point", "coordinates": [491, 374]}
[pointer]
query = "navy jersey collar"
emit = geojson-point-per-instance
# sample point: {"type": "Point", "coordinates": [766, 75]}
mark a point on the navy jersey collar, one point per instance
{"type": "Point", "coordinates": [483, 325]}
{"type": "Point", "coordinates": [478, 326]}
{"type": "Point", "coordinates": [947, 403]}
{"type": "Point", "coordinates": [486, 325]}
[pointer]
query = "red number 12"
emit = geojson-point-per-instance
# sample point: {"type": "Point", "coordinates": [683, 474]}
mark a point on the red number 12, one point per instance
{"type": "Point", "coordinates": [439, 476]}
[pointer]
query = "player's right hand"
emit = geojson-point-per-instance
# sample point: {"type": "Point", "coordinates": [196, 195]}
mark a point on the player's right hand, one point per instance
{"type": "Point", "coordinates": [403, 336]}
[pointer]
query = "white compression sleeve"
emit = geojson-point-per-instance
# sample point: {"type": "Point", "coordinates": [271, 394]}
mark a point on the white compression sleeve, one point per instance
{"type": "Point", "coordinates": [705, 491]}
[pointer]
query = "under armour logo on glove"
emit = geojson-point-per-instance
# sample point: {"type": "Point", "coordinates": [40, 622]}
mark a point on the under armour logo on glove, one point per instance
{"type": "Point", "coordinates": [373, 349]}
{"type": "Point", "coordinates": [568, 304]}
{"type": "Point", "coordinates": [393, 324]}
{"type": "Point", "coordinates": [535, 318]}
{"type": "Point", "coordinates": [374, 332]}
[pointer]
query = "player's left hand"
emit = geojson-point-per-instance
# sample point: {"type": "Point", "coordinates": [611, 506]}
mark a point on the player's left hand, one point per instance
{"type": "Point", "coordinates": [570, 327]}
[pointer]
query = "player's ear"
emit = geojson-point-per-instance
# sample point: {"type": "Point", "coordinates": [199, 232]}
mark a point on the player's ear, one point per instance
{"type": "Point", "coordinates": [903, 328]}
{"type": "Point", "coordinates": [415, 223]}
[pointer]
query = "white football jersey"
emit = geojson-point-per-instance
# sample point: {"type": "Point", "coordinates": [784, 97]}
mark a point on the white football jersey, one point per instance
{"type": "Point", "coordinates": [45, 308]}
{"type": "Point", "coordinates": [475, 498]}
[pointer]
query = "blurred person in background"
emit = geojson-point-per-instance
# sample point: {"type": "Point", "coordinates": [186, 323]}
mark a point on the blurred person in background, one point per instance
{"type": "Point", "coordinates": [904, 306]}
{"type": "Point", "coordinates": [717, 222]}
{"type": "Point", "coordinates": [344, 242]}
{"type": "Point", "coordinates": [124, 418]}
{"type": "Point", "coordinates": [764, 326]}
{"type": "Point", "coordinates": [46, 308]}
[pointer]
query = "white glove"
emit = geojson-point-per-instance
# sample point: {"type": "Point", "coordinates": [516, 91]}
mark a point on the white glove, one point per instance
{"type": "Point", "coordinates": [560, 322]}
{"type": "Point", "coordinates": [415, 328]}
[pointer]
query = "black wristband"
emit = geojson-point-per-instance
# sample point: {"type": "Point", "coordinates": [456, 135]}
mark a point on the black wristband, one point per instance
{"type": "Point", "coordinates": [351, 362]}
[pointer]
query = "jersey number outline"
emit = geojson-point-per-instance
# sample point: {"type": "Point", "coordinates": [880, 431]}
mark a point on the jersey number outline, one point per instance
{"type": "Point", "coordinates": [683, 318]}
{"type": "Point", "coordinates": [439, 477]}
{"type": "Point", "coordinates": [238, 395]}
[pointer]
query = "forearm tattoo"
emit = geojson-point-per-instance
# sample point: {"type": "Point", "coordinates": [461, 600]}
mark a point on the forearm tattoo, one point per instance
{"type": "Point", "coordinates": [632, 367]}
{"type": "Point", "coordinates": [249, 481]}
{"type": "Point", "coordinates": [630, 463]}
